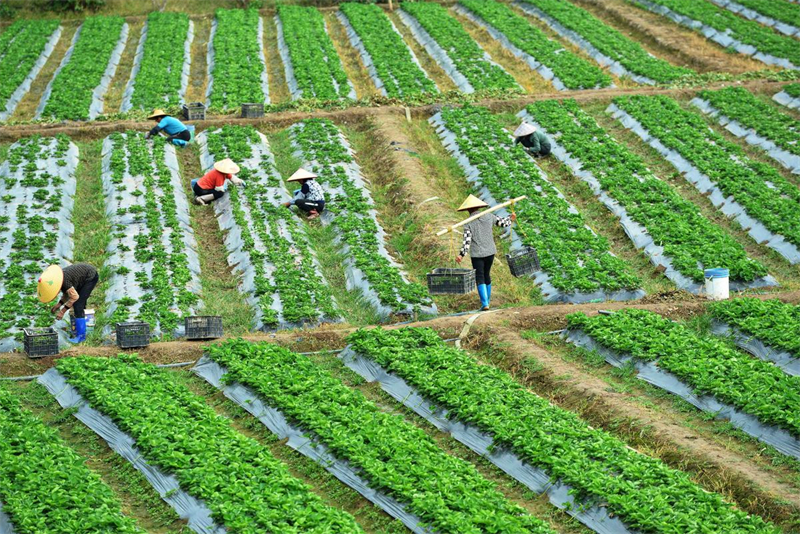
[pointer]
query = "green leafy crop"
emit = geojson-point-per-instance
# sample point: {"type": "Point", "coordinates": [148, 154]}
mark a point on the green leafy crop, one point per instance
{"type": "Point", "coordinates": [20, 46]}
{"type": "Point", "coordinates": [238, 67]}
{"type": "Point", "coordinates": [771, 321]}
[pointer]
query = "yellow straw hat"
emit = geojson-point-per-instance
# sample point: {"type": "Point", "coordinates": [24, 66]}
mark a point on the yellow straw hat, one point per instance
{"type": "Point", "coordinates": [472, 202]}
{"type": "Point", "coordinates": [50, 283]}
{"type": "Point", "coordinates": [301, 174]}
{"type": "Point", "coordinates": [226, 166]}
{"type": "Point", "coordinates": [157, 113]}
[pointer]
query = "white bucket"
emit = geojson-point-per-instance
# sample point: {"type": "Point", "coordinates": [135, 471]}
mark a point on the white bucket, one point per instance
{"type": "Point", "coordinates": [717, 283]}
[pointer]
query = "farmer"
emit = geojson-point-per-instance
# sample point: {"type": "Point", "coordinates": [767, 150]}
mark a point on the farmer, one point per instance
{"type": "Point", "coordinates": [211, 186]}
{"type": "Point", "coordinates": [177, 133]}
{"type": "Point", "coordinates": [479, 242]}
{"type": "Point", "coordinates": [533, 141]}
{"type": "Point", "coordinates": [309, 198]}
{"type": "Point", "coordinates": [76, 282]}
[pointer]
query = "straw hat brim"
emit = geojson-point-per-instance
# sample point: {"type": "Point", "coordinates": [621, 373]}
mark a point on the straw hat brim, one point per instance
{"type": "Point", "coordinates": [50, 283]}
{"type": "Point", "coordinates": [157, 113]}
{"type": "Point", "coordinates": [301, 174]}
{"type": "Point", "coordinates": [524, 129]}
{"type": "Point", "coordinates": [472, 202]}
{"type": "Point", "coordinates": [226, 166]}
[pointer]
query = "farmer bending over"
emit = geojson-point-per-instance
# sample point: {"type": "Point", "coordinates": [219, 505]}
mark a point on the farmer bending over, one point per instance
{"type": "Point", "coordinates": [211, 186]}
{"type": "Point", "coordinates": [309, 198]}
{"type": "Point", "coordinates": [533, 141]}
{"type": "Point", "coordinates": [479, 242]}
{"type": "Point", "coordinates": [177, 133]}
{"type": "Point", "coordinates": [76, 282]}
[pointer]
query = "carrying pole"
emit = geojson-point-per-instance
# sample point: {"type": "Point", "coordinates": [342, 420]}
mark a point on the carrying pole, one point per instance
{"type": "Point", "coordinates": [479, 215]}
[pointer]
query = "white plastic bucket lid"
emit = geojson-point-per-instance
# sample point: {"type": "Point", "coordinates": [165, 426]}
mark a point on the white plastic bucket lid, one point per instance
{"type": "Point", "coordinates": [717, 273]}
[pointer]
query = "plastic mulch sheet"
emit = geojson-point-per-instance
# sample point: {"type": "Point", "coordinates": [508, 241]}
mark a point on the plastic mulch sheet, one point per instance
{"type": "Point", "coordinates": [739, 9]}
{"type": "Point", "coordinates": [787, 100]}
{"type": "Point", "coordinates": [703, 183]}
{"type": "Point", "coordinates": [537, 480]}
{"type": "Point", "coordinates": [96, 107]}
{"type": "Point", "coordinates": [541, 278]}
{"type": "Point", "coordinates": [722, 38]}
{"type": "Point", "coordinates": [649, 371]}
{"type": "Point", "coordinates": [786, 361]}
{"type": "Point", "coordinates": [636, 232]}
{"type": "Point", "coordinates": [186, 506]}
{"type": "Point", "coordinates": [5, 524]}
{"type": "Point", "coordinates": [304, 442]}
{"type": "Point", "coordinates": [786, 159]}
{"type": "Point", "coordinates": [23, 88]}
{"type": "Point", "coordinates": [64, 61]}
{"type": "Point", "coordinates": [263, 58]}
{"type": "Point", "coordinates": [575, 38]}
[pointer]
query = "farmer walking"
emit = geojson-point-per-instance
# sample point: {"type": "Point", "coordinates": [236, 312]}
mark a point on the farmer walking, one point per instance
{"type": "Point", "coordinates": [310, 198]}
{"type": "Point", "coordinates": [533, 141]}
{"type": "Point", "coordinates": [479, 243]}
{"type": "Point", "coordinates": [76, 282]}
{"type": "Point", "coordinates": [211, 186]}
{"type": "Point", "coordinates": [177, 133]}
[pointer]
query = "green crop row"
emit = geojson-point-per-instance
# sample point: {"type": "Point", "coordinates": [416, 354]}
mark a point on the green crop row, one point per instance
{"type": "Point", "coordinates": [167, 296]}
{"type": "Point", "coordinates": [73, 86]}
{"type": "Point", "coordinates": [780, 10]}
{"type": "Point", "coordinates": [468, 58]}
{"type": "Point", "coordinates": [304, 296]}
{"type": "Point", "coordinates": [573, 256]}
{"type": "Point", "coordinates": [20, 46]}
{"type": "Point", "coordinates": [315, 63]}
{"type": "Point", "coordinates": [744, 107]}
{"type": "Point", "coordinates": [45, 486]}
{"type": "Point", "coordinates": [320, 142]}
{"type": "Point", "coordinates": [609, 41]}
{"type": "Point", "coordinates": [691, 241]}
{"type": "Point", "coordinates": [28, 222]}
{"type": "Point", "coordinates": [390, 55]}
{"type": "Point", "coordinates": [792, 89]}
{"type": "Point", "coordinates": [771, 321]}
{"type": "Point", "coordinates": [574, 71]}
{"type": "Point", "coordinates": [158, 82]}
{"type": "Point", "coordinates": [643, 492]}
{"type": "Point", "coordinates": [766, 195]}
{"type": "Point", "coordinates": [707, 364]}
{"type": "Point", "coordinates": [245, 487]}
{"type": "Point", "coordinates": [238, 67]}
{"type": "Point", "coordinates": [395, 457]}
{"type": "Point", "coordinates": [749, 32]}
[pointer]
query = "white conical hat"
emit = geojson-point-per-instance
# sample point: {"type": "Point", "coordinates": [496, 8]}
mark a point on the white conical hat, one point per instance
{"type": "Point", "coordinates": [472, 202]}
{"type": "Point", "coordinates": [226, 166]}
{"type": "Point", "coordinates": [301, 174]}
{"type": "Point", "coordinates": [524, 129]}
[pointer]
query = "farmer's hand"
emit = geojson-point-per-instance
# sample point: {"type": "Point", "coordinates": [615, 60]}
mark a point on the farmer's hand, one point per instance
{"type": "Point", "coordinates": [55, 308]}
{"type": "Point", "coordinates": [286, 204]}
{"type": "Point", "coordinates": [147, 135]}
{"type": "Point", "coordinates": [60, 314]}
{"type": "Point", "coordinates": [459, 258]}
{"type": "Point", "coordinates": [237, 181]}
{"type": "Point", "coordinates": [513, 217]}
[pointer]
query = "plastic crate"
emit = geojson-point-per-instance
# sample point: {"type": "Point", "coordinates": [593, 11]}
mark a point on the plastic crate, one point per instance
{"type": "Point", "coordinates": [523, 261]}
{"type": "Point", "coordinates": [133, 334]}
{"type": "Point", "coordinates": [203, 327]}
{"type": "Point", "coordinates": [40, 342]}
{"type": "Point", "coordinates": [252, 111]}
{"type": "Point", "coordinates": [446, 281]}
{"type": "Point", "coordinates": [195, 111]}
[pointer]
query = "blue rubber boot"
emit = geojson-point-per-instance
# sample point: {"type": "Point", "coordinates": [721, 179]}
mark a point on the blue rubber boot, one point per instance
{"type": "Point", "coordinates": [482, 292]}
{"type": "Point", "coordinates": [80, 331]}
{"type": "Point", "coordinates": [179, 142]}
{"type": "Point", "coordinates": [488, 294]}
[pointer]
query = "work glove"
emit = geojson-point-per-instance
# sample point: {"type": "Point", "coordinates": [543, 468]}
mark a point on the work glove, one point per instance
{"type": "Point", "coordinates": [55, 308]}
{"type": "Point", "coordinates": [220, 188]}
{"type": "Point", "coordinates": [60, 314]}
{"type": "Point", "coordinates": [237, 181]}
{"type": "Point", "coordinates": [147, 135]}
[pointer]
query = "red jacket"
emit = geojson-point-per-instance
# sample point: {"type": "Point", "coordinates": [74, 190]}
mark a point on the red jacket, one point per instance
{"type": "Point", "coordinates": [213, 179]}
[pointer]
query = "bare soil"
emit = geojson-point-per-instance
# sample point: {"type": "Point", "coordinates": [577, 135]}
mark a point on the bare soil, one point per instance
{"type": "Point", "coordinates": [351, 60]}
{"type": "Point", "coordinates": [198, 76]}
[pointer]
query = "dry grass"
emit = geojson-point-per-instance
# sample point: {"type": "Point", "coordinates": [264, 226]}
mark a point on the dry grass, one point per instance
{"type": "Point", "coordinates": [351, 60]}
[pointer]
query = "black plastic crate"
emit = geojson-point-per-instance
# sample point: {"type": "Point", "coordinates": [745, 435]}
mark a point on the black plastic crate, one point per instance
{"type": "Point", "coordinates": [133, 334]}
{"type": "Point", "coordinates": [194, 111]}
{"type": "Point", "coordinates": [523, 261]}
{"type": "Point", "coordinates": [252, 111]}
{"type": "Point", "coordinates": [40, 342]}
{"type": "Point", "coordinates": [446, 281]}
{"type": "Point", "coordinates": [203, 327]}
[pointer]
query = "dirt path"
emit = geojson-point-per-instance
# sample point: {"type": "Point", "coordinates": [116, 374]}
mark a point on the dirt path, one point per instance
{"type": "Point", "coordinates": [196, 90]}
{"type": "Point", "coordinates": [116, 89]}
{"type": "Point", "coordinates": [660, 433]}
{"type": "Point", "coordinates": [351, 60]}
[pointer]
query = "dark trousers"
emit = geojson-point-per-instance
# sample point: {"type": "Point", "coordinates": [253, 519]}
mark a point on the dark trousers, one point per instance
{"type": "Point", "coordinates": [482, 268]}
{"type": "Point", "coordinates": [184, 135]}
{"type": "Point", "coordinates": [78, 309]}
{"type": "Point", "coordinates": [199, 191]}
{"type": "Point", "coordinates": [308, 205]}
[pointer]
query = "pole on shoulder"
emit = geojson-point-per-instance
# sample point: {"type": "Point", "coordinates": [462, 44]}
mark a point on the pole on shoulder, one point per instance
{"type": "Point", "coordinates": [479, 215]}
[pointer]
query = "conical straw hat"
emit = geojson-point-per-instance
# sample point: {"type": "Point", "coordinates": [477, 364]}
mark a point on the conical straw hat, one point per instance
{"type": "Point", "coordinates": [226, 166]}
{"type": "Point", "coordinates": [472, 202]}
{"type": "Point", "coordinates": [524, 129]}
{"type": "Point", "coordinates": [157, 113]}
{"type": "Point", "coordinates": [50, 283]}
{"type": "Point", "coordinates": [301, 174]}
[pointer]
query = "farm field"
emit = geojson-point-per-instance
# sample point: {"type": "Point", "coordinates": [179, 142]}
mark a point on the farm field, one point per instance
{"type": "Point", "coordinates": [603, 390]}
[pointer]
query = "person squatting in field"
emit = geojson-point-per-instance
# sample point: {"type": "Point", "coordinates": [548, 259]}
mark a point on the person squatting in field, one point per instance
{"type": "Point", "coordinates": [76, 282]}
{"type": "Point", "coordinates": [211, 186]}
{"type": "Point", "coordinates": [310, 198]}
{"type": "Point", "coordinates": [479, 243]}
{"type": "Point", "coordinates": [177, 133]}
{"type": "Point", "coordinates": [532, 140]}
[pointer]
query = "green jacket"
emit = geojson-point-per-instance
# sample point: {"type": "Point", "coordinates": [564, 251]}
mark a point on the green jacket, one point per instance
{"type": "Point", "coordinates": [536, 143]}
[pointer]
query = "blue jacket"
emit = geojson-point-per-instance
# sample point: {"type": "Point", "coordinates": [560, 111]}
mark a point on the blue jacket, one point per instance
{"type": "Point", "coordinates": [171, 125]}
